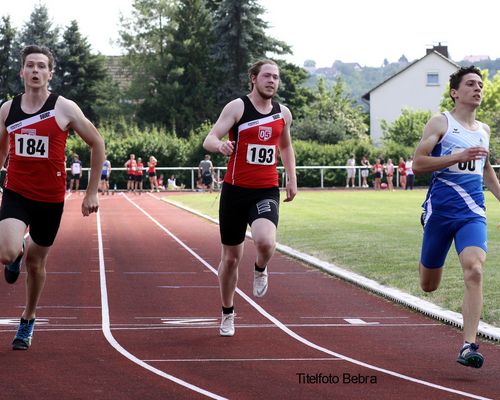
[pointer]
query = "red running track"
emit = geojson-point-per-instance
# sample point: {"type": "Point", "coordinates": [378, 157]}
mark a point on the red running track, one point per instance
{"type": "Point", "coordinates": [131, 310]}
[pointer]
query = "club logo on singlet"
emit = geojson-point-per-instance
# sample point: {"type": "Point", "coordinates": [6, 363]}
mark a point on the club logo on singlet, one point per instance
{"type": "Point", "coordinates": [265, 133]}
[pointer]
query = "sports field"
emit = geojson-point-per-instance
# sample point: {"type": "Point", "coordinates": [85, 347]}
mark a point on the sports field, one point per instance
{"type": "Point", "coordinates": [376, 234]}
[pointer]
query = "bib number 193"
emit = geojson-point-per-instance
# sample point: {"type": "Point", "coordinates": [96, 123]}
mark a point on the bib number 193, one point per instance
{"type": "Point", "coordinates": [261, 154]}
{"type": "Point", "coordinates": [32, 146]}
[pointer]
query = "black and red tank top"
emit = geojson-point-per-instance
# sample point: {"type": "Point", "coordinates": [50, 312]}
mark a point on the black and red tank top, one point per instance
{"type": "Point", "coordinates": [255, 157]}
{"type": "Point", "coordinates": [36, 167]}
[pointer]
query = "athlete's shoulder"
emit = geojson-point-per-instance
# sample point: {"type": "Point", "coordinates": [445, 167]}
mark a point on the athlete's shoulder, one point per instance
{"type": "Point", "coordinates": [287, 114]}
{"type": "Point", "coordinates": [485, 127]}
{"type": "Point", "coordinates": [4, 110]}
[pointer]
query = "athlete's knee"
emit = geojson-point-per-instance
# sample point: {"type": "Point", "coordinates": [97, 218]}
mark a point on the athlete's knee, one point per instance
{"type": "Point", "coordinates": [473, 275]}
{"type": "Point", "coordinates": [428, 286]}
{"type": "Point", "coordinates": [230, 261]}
{"type": "Point", "coordinates": [8, 255]}
{"type": "Point", "coordinates": [265, 245]}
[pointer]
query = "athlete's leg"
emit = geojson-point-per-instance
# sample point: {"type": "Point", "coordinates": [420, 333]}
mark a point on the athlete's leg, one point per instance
{"type": "Point", "coordinates": [228, 272]}
{"type": "Point", "coordinates": [264, 237]}
{"type": "Point", "coordinates": [430, 278]}
{"type": "Point", "coordinates": [36, 258]}
{"type": "Point", "coordinates": [11, 239]}
{"type": "Point", "coordinates": [472, 260]}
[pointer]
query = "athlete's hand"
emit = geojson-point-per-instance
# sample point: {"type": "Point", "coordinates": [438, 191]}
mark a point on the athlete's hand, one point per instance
{"type": "Point", "coordinates": [226, 148]}
{"type": "Point", "coordinates": [90, 204]}
{"type": "Point", "coordinates": [472, 153]}
{"type": "Point", "coordinates": [291, 190]}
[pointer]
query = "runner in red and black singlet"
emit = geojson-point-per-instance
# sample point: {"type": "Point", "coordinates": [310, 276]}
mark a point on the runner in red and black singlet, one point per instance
{"type": "Point", "coordinates": [37, 146]}
{"type": "Point", "coordinates": [256, 137]}
{"type": "Point", "coordinates": [259, 131]}
{"type": "Point", "coordinates": [33, 131]}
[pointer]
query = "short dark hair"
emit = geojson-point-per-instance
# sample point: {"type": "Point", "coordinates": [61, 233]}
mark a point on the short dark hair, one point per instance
{"type": "Point", "coordinates": [35, 49]}
{"type": "Point", "coordinates": [457, 76]}
{"type": "Point", "coordinates": [256, 67]}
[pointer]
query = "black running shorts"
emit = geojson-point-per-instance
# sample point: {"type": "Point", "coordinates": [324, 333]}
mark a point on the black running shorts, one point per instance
{"type": "Point", "coordinates": [239, 207]}
{"type": "Point", "coordinates": [42, 218]}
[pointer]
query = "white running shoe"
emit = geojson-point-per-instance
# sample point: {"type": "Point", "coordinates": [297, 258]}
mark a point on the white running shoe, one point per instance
{"type": "Point", "coordinates": [227, 324]}
{"type": "Point", "coordinates": [260, 283]}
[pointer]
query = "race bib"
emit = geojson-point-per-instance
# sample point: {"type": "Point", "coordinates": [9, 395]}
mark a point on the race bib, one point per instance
{"type": "Point", "coordinates": [468, 167]}
{"type": "Point", "coordinates": [261, 154]}
{"type": "Point", "coordinates": [32, 145]}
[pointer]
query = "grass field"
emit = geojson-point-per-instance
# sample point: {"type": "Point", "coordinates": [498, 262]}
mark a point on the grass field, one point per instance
{"type": "Point", "coordinates": [378, 235]}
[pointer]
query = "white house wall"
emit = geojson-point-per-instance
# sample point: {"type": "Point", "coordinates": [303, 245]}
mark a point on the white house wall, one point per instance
{"type": "Point", "coordinates": [409, 89]}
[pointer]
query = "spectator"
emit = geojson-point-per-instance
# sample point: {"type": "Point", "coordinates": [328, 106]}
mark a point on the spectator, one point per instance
{"type": "Point", "coordinates": [402, 173]}
{"type": "Point", "coordinates": [76, 173]}
{"type": "Point", "coordinates": [410, 176]}
{"type": "Point", "coordinates": [205, 172]}
{"type": "Point", "coordinates": [139, 175]}
{"type": "Point", "coordinates": [365, 170]}
{"type": "Point", "coordinates": [105, 174]}
{"type": "Point", "coordinates": [351, 172]}
{"type": "Point", "coordinates": [389, 170]}
{"type": "Point", "coordinates": [131, 166]}
{"type": "Point", "coordinates": [378, 169]}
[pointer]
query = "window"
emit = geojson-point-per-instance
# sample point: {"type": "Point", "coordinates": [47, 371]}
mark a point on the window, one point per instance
{"type": "Point", "coordinates": [432, 79]}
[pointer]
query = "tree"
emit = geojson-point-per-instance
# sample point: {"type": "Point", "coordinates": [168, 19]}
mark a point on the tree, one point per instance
{"type": "Point", "coordinates": [9, 77]}
{"type": "Point", "coordinates": [407, 129]}
{"type": "Point", "coordinates": [332, 117]}
{"type": "Point", "coordinates": [191, 60]}
{"type": "Point", "coordinates": [292, 91]}
{"type": "Point", "coordinates": [81, 73]}
{"type": "Point", "coordinates": [145, 36]}
{"type": "Point", "coordinates": [241, 40]}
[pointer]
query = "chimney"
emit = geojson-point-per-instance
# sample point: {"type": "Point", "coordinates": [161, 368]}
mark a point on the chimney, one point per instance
{"type": "Point", "coordinates": [440, 48]}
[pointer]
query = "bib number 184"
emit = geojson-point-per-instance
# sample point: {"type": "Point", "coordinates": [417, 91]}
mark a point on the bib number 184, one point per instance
{"type": "Point", "coordinates": [32, 146]}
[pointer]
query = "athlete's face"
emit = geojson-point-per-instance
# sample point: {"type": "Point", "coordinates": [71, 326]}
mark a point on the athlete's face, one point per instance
{"type": "Point", "coordinates": [470, 90]}
{"type": "Point", "coordinates": [35, 71]}
{"type": "Point", "coordinates": [267, 81]}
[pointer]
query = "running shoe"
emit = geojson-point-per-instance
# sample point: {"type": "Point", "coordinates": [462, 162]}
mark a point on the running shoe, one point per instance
{"type": "Point", "coordinates": [470, 357]}
{"type": "Point", "coordinates": [227, 324]}
{"type": "Point", "coordinates": [13, 270]}
{"type": "Point", "coordinates": [260, 283]}
{"type": "Point", "coordinates": [22, 340]}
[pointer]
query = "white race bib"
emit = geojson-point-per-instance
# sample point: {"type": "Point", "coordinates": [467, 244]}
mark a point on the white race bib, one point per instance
{"type": "Point", "coordinates": [261, 154]}
{"type": "Point", "coordinates": [468, 167]}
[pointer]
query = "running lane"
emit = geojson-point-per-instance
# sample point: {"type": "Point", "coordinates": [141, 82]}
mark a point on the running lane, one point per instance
{"type": "Point", "coordinates": [342, 339]}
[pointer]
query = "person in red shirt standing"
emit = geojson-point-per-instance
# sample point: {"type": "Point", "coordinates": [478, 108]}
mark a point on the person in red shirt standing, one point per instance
{"type": "Point", "coordinates": [402, 173]}
{"type": "Point", "coordinates": [34, 127]}
{"type": "Point", "coordinates": [257, 127]}
{"type": "Point", "coordinates": [131, 166]}
{"type": "Point", "coordinates": [139, 175]}
{"type": "Point", "coordinates": [153, 179]}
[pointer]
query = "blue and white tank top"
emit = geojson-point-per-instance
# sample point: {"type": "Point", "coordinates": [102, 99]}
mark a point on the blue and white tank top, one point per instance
{"type": "Point", "coordinates": [457, 191]}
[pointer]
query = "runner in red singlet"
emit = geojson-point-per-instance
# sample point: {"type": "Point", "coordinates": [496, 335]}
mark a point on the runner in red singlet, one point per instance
{"type": "Point", "coordinates": [33, 131]}
{"type": "Point", "coordinates": [131, 166]}
{"type": "Point", "coordinates": [259, 131]}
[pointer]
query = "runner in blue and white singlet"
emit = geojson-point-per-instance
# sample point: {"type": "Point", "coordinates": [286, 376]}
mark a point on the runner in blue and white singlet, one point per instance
{"type": "Point", "coordinates": [457, 191]}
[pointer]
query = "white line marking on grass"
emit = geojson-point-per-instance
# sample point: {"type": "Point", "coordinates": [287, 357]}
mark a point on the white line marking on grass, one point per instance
{"type": "Point", "coordinates": [106, 329]}
{"type": "Point", "coordinates": [299, 338]}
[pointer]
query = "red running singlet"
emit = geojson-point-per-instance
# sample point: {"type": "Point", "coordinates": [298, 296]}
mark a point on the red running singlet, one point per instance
{"type": "Point", "coordinates": [36, 168]}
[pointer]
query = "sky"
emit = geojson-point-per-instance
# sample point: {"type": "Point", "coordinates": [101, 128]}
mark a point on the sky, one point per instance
{"type": "Point", "coordinates": [362, 31]}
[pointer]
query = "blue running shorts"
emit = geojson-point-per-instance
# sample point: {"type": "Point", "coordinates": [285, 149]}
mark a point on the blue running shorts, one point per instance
{"type": "Point", "coordinates": [439, 232]}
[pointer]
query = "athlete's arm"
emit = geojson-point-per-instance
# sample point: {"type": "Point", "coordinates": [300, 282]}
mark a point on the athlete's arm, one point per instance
{"type": "Point", "coordinates": [4, 136]}
{"type": "Point", "coordinates": [72, 117]}
{"type": "Point", "coordinates": [433, 132]}
{"type": "Point", "coordinates": [230, 114]}
{"type": "Point", "coordinates": [288, 155]}
{"type": "Point", "coordinates": [489, 177]}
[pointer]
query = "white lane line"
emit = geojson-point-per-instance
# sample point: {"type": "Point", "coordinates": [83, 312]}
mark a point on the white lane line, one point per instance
{"type": "Point", "coordinates": [299, 338]}
{"type": "Point", "coordinates": [207, 360]}
{"type": "Point", "coordinates": [106, 329]}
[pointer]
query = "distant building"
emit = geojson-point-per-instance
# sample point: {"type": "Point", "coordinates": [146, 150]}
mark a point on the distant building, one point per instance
{"type": "Point", "coordinates": [119, 73]}
{"type": "Point", "coordinates": [419, 86]}
{"type": "Point", "coordinates": [478, 58]}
